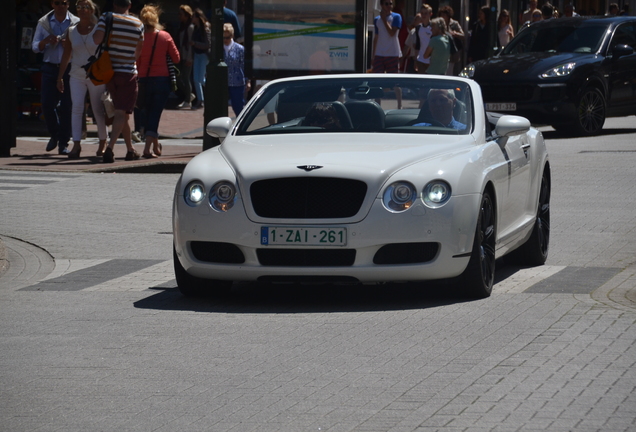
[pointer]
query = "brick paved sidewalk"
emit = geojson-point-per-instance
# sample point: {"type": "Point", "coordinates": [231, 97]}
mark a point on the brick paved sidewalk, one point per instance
{"type": "Point", "coordinates": [180, 131]}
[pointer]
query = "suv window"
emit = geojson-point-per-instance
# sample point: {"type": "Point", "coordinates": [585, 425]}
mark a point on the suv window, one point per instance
{"type": "Point", "coordinates": [625, 34]}
{"type": "Point", "coordinates": [584, 39]}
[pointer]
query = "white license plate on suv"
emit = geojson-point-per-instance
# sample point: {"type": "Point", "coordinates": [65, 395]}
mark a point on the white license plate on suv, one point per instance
{"type": "Point", "coordinates": [510, 106]}
{"type": "Point", "coordinates": [306, 236]}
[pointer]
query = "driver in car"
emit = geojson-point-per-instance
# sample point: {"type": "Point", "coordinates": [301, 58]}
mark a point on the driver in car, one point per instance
{"type": "Point", "coordinates": [441, 103]}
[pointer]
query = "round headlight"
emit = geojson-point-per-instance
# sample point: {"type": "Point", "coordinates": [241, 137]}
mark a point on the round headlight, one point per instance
{"type": "Point", "coordinates": [436, 193]}
{"type": "Point", "coordinates": [222, 196]}
{"type": "Point", "coordinates": [399, 196]}
{"type": "Point", "coordinates": [194, 193]}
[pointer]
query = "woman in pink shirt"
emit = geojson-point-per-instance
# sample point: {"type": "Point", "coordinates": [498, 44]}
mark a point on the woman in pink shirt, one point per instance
{"type": "Point", "coordinates": [154, 76]}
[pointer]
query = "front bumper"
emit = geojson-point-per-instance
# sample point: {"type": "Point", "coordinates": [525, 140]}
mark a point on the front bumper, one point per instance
{"type": "Point", "coordinates": [539, 103]}
{"type": "Point", "coordinates": [451, 227]}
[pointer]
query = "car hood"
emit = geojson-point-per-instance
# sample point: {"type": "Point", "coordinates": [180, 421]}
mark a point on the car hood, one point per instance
{"type": "Point", "coordinates": [523, 66]}
{"type": "Point", "coordinates": [372, 158]}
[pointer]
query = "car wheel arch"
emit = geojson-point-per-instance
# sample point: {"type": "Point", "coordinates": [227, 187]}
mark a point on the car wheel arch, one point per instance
{"type": "Point", "coordinates": [593, 82]}
{"type": "Point", "coordinates": [490, 188]}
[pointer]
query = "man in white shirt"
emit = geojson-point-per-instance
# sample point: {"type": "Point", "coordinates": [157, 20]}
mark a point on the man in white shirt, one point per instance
{"type": "Point", "coordinates": [50, 33]}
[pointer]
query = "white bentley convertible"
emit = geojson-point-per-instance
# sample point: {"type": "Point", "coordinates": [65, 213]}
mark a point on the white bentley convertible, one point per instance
{"type": "Point", "coordinates": [362, 179]}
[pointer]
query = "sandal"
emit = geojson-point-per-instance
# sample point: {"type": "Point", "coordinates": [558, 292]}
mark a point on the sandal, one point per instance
{"type": "Point", "coordinates": [100, 149]}
{"type": "Point", "coordinates": [109, 157]}
{"type": "Point", "coordinates": [74, 154]}
{"type": "Point", "coordinates": [158, 149]}
{"type": "Point", "coordinates": [132, 155]}
{"type": "Point", "coordinates": [148, 156]}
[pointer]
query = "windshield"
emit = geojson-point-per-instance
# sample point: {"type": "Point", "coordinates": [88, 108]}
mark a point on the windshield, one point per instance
{"type": "Point", "coordinates": [564, 38]}
{"type": "Point", "coordinates": [369, 105]}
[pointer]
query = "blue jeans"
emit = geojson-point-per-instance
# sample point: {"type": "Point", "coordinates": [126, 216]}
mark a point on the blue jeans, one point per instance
{"type": "Point", "coordinates": [157, 92]}
{"type": "Point", "coordinates": [236, 98]}
{"type": "Point", "coordinates": [56, 106]}
{"type": "Point", "coordinates": [198, 74]}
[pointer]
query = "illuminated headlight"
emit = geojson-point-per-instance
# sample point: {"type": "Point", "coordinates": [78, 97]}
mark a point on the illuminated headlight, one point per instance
{"type": "Point", "coordinates": [399, 196]}
{"type": "Point", "coordinates": [468, 71]}
{"type": "Point", "coordinates": [194, 193]}
{"type": "Point", "coordinates": [222, 196]}
{"type": "Point", "coordinates": [436, 194]}
{"type": "Point", "coordinates": [559, 71]}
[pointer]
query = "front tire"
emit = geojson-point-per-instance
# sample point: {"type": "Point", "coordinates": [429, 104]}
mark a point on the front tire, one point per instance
{"type": "Point", "coordinates": [192, 286]}
{"type": "Point", "coordinates": [479, 277]}
{"type": "Point", "coordinates": [590, 113]}
{"type": "Point", "coordinates": [534, 251]}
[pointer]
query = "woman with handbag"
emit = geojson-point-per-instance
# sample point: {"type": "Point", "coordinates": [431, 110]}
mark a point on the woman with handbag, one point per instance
{"type": "Point", "coordinates": [154, 77]}
{"type": "Point", "coordinates": [78, 47]}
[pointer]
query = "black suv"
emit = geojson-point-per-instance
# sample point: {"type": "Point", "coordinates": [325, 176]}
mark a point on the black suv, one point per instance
{"type": "Point", "coordinates": [570, 73]}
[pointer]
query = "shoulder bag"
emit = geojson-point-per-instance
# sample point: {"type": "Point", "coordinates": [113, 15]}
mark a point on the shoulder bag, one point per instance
{"type": "Point", "coordinates": [141, 85]}
{"type": "Point", "coordinates": [99, 67]}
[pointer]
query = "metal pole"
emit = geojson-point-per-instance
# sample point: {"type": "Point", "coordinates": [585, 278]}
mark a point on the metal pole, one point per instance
{"type": "Point", "coordinates": [8, 96]}
{"type": "Point", "coordinates": [216, 87]}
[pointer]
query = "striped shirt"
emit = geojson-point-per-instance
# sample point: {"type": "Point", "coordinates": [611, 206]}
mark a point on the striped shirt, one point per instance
{"type": "Point", "coordinates": [124, 37]}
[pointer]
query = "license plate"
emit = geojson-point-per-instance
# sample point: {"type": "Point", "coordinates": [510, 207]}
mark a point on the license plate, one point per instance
{"type": "Point", "coordinates": [511, 106]}
{"type": "Point", "coordinates": [306, 236]}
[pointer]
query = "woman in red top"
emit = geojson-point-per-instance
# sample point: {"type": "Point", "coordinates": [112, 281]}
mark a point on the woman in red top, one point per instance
{"type": "Point", "coordinates": [154, 76]}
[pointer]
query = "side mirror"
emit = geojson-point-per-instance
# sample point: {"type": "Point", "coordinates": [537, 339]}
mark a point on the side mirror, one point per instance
{"type": "Point", "coordinates": [219, 127]}
{"type": "Point", "coordinates": [510, 125]}
{"type": "Point", "coordinates": [622, 50]}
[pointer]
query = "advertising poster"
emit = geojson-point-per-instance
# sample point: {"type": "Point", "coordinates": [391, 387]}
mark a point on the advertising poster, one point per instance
{"type": "Point", "coordinates": [299, 35]}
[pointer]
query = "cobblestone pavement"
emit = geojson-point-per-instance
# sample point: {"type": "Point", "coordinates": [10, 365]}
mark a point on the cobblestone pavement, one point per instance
{"type": "Point", "coordinates": [95, 335]}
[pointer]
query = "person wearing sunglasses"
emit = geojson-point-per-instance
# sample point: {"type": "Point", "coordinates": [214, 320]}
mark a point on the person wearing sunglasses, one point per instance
{"type": "Point", "coordinates": [78, 48]}
{"type": "Point", "coordinates": [49, 37]}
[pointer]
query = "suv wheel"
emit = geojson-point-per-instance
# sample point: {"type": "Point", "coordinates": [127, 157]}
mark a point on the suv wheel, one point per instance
{"type": "Point", "coordinates": [590, 113]}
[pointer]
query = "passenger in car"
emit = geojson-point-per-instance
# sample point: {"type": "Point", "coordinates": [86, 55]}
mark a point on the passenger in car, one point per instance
{"type": "Point", "coordinates": [441, 103]}
{"type": "Point", "coordinates": [323, 115]}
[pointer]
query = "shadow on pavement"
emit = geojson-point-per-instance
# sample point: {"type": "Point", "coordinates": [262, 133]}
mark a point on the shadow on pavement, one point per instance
{"type": "Point", "coordinates": [256, 298]}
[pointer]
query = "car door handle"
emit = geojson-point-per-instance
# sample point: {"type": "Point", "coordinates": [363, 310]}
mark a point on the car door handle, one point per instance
{"type": "Point", "coordinates": [525, 148]}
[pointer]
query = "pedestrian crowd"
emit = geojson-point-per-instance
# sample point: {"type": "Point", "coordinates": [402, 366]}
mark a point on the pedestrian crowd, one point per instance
{"type": "Point", "coordinates": [148, 65]}
{"type": "Point", "coordinates": [151, 64]}
{"type": "Point", "coordinates": [438, 45]}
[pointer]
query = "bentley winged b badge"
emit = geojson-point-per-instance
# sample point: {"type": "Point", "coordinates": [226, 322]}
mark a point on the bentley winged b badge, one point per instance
{"type": "Point", "coordinates": [309, 167]}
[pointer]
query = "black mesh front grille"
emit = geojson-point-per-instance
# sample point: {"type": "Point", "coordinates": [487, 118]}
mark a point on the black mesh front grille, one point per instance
{"type": "Point", "coordinates": [216, 252]}
{"type": "Point", "coordinates": [405, 253]}
{"type": "Point", "coordinates": [503, 93]}
{"type": "Point", "coordinates": [306, 257]}
{"type": "Point", "coordinates": [307, 197]}
{"type": "Point", "coordinates": [552, 93]}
